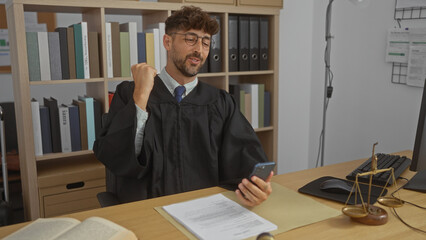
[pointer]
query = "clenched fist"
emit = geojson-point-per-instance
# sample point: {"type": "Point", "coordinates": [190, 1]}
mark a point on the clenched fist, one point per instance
{"type": "Point", "coordinates": [143, 76]}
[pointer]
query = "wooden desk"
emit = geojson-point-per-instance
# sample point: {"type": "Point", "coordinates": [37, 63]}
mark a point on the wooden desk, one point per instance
{"type": "Point", "coordinates": [146, 223]}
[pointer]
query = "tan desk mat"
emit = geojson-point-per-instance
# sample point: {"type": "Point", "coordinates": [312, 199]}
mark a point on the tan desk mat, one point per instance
{"type": "Point", "coordinates": [285, 208]}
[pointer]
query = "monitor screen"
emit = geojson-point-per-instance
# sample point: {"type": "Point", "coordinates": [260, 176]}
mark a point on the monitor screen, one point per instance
{"type": "Point", "coordinates": [418, 163]}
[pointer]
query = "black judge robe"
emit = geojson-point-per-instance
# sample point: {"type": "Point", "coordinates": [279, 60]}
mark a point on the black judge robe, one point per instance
{"type": "Point", "coordinates": [201, 142]}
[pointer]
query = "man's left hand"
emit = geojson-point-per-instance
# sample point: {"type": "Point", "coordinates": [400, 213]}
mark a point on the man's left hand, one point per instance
{"type": "Point", "coordinates": [254, 192]}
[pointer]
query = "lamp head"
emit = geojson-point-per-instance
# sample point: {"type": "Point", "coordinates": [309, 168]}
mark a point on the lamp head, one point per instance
{"type": "Point", "coordinates": [360, 3]}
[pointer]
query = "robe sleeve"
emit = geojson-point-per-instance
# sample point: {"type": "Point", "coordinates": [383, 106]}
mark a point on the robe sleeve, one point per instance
{"type": "Point", "coordinates": [241, 148]}
{"type": "Point", "coordinates": [115, 147]}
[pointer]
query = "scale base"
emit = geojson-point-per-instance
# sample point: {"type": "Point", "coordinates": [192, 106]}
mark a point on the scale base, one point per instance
{"type": "Point", "coordinates": [376, 216]}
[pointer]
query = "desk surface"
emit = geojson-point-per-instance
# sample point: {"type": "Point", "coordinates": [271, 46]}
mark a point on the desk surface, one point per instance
{"type": "Point", "coordinates": [146, 223]}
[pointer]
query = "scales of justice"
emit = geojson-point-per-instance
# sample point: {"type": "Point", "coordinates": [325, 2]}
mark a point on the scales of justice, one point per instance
{"type": "Point", "coordinates": [365, 212]}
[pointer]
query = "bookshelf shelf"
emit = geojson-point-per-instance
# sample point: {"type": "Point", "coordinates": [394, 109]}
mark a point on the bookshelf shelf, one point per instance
{"type": "Point", "coordinates": [96, 13]}
{"type": "Point", "coordinates": [51, 156]}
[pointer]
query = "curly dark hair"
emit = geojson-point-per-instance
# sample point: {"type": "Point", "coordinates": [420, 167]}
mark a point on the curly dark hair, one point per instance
{"type": "Point", "coordinates": [191, 17]}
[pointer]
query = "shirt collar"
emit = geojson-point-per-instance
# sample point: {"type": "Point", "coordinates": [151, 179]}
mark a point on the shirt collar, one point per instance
{"type": "Point", "coordinates": [171, 84]}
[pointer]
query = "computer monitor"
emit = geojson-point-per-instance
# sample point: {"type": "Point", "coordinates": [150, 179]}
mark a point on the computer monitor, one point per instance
{"type": "Point", "coordinates": [418, 163]}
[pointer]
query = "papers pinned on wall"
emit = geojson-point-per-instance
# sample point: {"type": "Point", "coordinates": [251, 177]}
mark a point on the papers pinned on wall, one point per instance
{"type": "Point", "coordinates": [408, 47]}
{"type": "Point", "coordinates": [4, 48]}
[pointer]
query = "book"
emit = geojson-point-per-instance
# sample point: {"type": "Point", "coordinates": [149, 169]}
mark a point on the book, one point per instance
{"type": "Point", "coordinates": [83, 122]}
{"type": "Point", "coordinates": [267, 110]}
{"type": "Point", "coordinates": [108, 49]}
{"type": "Point", "coordinates": [33, 57]}
{"type": "Point", "coordinates": [261, 103]}
{"type": "Point", "coordinates": [78, 49]}
{"type": "Point", "coordinates": [43, 53]}
{"type": "Point", "coordinates": [64, 127]}
{"type": "Point", "coordinates": [35, 113]}
{"type": "Point", "coordinates": [115, 42]}
{"type": "Point", "coordinates": [71, 52]}
{"type": "Point", "coordinates": [125, 54]}
{"type": "Point", "coordinates": [54, 56]}
{"type": "Point", "coordinates": [52, 104]}
{"type": "Point", "coordinates": [131, 28]}
{"type": "Point", "coordinates": [161, 26]}
{"type": "Point", "coordinates": [63, 45]}
{"type": "Point", "coordinates": [74, 127]}
{"type": "Point", "coordinates": [85, 39]}
{"type": "Point", "coordinates": [156, 46]}
{"type": "Point", "coordinates": [253, 89]}
{"type": "Point", "coordinates": [90, 120]}
{"type": "Point", "coordinates": [248, 107]}
{"type": "Point", "coordinates": [94, 55]}
{"type": "Point", "coordinates": [70, 228]}
{"type": "Point", "coordinates": [46, 135]}
{"type": "Point", "coordinates": [97, 112]}
{"type": "Point", "coordinates": [150, 53]}
{"type": "Point", "coordinates": [141, 47]}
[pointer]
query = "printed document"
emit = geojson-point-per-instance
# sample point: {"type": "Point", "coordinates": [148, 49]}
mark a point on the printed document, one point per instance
{"type": "Point", "coordinates": [217, 217]}
{"type": "Point", "coordinates": [397, 45]}
{"type": "Point", "coordinates": [416, 73]}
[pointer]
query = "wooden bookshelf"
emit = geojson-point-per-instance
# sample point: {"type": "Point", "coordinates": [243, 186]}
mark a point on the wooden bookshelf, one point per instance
{"type": "Point", "coordinates": [96, 13]}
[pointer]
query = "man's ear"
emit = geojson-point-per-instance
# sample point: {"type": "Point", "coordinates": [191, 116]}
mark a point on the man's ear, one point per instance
{"type": "Point", "coordinates": [167, 42]}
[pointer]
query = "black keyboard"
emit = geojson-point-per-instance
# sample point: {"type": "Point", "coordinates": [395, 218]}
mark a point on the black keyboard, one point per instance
{"type": "Point", "coordinates": [398, 163]}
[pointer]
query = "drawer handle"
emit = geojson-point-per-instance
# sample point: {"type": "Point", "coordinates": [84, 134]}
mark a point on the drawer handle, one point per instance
{"type": "Point", "coordinates": [75, 185]}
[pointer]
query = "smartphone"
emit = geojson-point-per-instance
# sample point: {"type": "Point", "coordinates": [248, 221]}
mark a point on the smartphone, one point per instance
{"type": "Point", "coordinates": [262, 170]}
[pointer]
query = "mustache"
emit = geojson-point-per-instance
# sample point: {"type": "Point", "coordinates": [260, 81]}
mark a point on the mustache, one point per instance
{"type": "Point", "coordinates": [196, 55]}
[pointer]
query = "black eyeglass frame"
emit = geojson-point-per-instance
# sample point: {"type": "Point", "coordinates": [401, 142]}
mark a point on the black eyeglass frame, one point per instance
{"type": "Point", "coordinates": [191, 42]}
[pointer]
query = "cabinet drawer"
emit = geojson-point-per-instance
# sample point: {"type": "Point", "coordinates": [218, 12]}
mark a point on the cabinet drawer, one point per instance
{"type": "Point", "coordinates": [268, 3]}
{"type": "Point", "coordinates": [70, 202]}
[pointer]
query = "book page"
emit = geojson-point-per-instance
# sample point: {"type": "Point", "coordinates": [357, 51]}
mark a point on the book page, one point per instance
{"type": "Point", "coordinates": [217, 217]}
{"type": "Point", "coordinates": [43, 229]}
{"type": "Point", "coordinates": [96, 228]}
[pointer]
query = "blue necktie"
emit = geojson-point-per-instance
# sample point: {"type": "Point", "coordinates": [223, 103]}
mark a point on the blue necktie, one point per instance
{"type": "Point", "coordinates": [179, 92]}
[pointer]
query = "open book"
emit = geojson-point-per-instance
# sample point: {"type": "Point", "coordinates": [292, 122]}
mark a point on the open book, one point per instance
{"type": "Point", "coordinates": [92, 228]}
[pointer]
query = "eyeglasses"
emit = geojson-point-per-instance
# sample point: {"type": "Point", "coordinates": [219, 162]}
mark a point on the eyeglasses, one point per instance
{"type": "Point", "coordinates": [191, 39]}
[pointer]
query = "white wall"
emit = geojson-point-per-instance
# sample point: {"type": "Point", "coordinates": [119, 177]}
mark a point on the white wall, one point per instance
{"type": "Point", "coordinates": [365, 107]}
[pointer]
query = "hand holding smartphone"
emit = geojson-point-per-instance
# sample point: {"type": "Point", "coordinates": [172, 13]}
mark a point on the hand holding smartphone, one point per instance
{"type": "Point", "coordinates": [262, 170]}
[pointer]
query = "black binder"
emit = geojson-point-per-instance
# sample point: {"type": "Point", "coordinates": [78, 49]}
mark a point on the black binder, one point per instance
{"type": "Point", "coordinates": [254, 43]}
{"type": "Point", "coordinates": [243, 48]}
{"type": "Point", "coordinates": [233, 42]}
{"type": "Point", "coordinates": [215, 59]}
{"type": "Point", "coordinates": [52, 104]}
{"type": "Point", "coordinates": [264, 43]}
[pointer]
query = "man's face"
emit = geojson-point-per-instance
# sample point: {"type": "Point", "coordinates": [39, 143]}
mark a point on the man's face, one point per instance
{"type": "Point", "coordinates": [189, 51]}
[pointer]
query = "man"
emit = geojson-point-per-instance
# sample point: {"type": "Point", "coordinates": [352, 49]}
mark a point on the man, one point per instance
{"type": "Point", "coordinates": [161, 141]}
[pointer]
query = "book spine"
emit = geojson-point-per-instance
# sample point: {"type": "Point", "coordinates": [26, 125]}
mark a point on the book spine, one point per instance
{"type": "Point", "coordinates": [43, 52]}
{"type": "Point", "coordinates": [116, 56]}
{"type": "Point", "coordinates": [63, 44]}
{"type": "Point", "coordinates": [35, 113]}
{"type": "Point", "coordinates": [83, 123]}
{"type": "Point", "coordinates": [71, 52]}
{"type": "Point", "coordinates": [46, 135]}
{"type": "Point", "coordinates": [141, 47]}
{"type": "Point", "coordinates": [64, 126]}
{"type": "Point", "coordinates": [52, 104]}
{"type": "Point", "coordinates": [54, 56]}
{"type": "Point", "coordinates": [131, 28]}
{"type": "Point", "coordinates": [33, 57]}
{"type": "Point", "coordinates": [85, 39]}
{"type": "Point", "coordinates": [125, 54]}
{"type": "Point", "coordinates": [261, 105]}
{"type": "Point", "coordinates": [90, 118]}
{"type": "Point", "coordinates": [94, 55]}
{"type": "Point", "coordinates": [150, 54]}
{"type": "Point", "coordinates": [109, 49]}
{"type": "Point", "coordinates": [78, 46]}
{"type": "Point", "coordinates": [74, 120]}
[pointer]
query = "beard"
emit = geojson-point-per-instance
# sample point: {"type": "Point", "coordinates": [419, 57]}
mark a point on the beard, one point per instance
{"type": "Point", "coordinates": [192, 69]}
